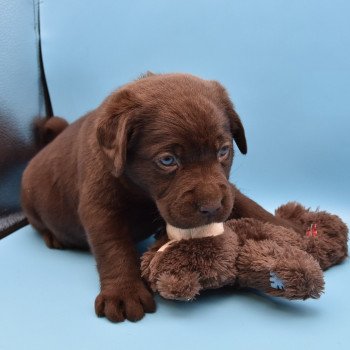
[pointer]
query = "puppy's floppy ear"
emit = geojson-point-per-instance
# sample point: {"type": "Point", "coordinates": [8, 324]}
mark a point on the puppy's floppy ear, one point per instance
{"type": "Point", "coordinates": [237, 129]}
{"type": "Point", "coordinates": [236, 125]}
{"type": "Point", "coordinates": [114, 127]}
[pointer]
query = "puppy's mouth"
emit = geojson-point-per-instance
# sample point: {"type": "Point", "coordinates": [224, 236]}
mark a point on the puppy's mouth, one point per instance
{"type": "Point", "coordinates": [196, 208]}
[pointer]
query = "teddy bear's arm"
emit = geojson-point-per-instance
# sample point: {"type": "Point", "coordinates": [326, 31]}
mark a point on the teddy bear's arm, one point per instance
{"type": "Point", "coordinates": [149, 255]}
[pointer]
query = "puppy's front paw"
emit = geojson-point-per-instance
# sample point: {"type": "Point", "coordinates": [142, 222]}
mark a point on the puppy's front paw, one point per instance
{"type": "Point", "coordinates": [129, 302]}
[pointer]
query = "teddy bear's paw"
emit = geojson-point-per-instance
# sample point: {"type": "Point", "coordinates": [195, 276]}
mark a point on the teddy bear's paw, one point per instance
{"type": "Point", "coordinates": [324, 235]}
{"type": "Point", "coordinates": [325, 238]}
{"type": "Point", "coordinates": [326, 250]}
{"type": "Point", "coordinates": [301, 280]}
{"type": "Point", "coordinates": [283, 271]}
{"type": "Point", "coordinates": [182, 287]}
{"type": "Point", "coordinates": [296, 275]}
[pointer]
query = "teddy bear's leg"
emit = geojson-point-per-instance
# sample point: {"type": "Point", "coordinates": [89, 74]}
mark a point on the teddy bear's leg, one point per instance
{"type": "Point", "coordinates": [279, 270]}
{"type": "Point", "coordinates": [325, 235]}
{"type": "Point", "coordinates": [183, 286]}
{"type": "Point", "coordinates": [147, 257]}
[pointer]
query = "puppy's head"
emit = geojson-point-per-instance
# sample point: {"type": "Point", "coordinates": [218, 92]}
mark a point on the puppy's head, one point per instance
{"type": "Point", "coordinates": [172, 135]}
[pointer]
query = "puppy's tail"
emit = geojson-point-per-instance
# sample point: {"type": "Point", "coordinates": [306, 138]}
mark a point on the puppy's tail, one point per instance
{"type": "Point", "coordinates": [45, 130]}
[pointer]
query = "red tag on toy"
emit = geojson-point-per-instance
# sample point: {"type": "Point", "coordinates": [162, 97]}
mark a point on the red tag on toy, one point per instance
{"type": "Point", "coordinates": [312, 231]}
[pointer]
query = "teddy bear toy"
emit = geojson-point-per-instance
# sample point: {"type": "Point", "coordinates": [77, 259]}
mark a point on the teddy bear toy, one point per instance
{"type": "Point", "coordinates": [248, 253]}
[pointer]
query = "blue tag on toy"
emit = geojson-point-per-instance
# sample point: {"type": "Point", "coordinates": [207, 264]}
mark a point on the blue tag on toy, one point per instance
{"type": "Point", "coordinates": [276, 282]}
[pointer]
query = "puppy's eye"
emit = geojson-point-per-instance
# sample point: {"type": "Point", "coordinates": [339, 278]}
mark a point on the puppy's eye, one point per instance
{"type": "Point", "coordinates": [168, 161]}
{"type": "Point", "coordinates": [223, 152]}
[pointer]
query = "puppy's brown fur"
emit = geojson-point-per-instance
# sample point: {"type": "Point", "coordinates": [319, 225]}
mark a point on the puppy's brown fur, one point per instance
{"type": "Point", "coordinates": [105, 181]}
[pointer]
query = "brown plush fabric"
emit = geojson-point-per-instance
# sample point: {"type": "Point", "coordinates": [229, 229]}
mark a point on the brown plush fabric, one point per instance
{"type": "Point", "coordinates": [187, 266]}
{"type": "Point", "coordinates": [251, 253]}
{"type": "Point", "coordinates": [301, 275]}
{"type": "Point", "coordinates": [330, 246]}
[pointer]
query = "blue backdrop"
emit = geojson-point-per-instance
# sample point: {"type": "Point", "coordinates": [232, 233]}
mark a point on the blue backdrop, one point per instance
{"type": "Point", "coordinates": [286, 65]}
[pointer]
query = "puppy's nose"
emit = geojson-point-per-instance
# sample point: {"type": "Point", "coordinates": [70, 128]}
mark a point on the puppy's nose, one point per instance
{"type": "Point", "coordinates": [210, 209]}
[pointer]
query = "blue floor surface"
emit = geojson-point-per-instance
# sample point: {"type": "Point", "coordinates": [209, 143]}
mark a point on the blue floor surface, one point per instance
{"type": "Point", "coordinates": [47, 296]}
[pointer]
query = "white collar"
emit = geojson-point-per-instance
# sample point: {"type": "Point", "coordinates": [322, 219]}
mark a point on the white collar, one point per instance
{"type": "Point", "coordinates": [176, 234]}
{"type": "Point", "coordinates": [214, 229]}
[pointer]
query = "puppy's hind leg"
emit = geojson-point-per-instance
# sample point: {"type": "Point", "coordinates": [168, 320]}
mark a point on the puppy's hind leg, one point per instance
{"type": "Point", "coordinates": [49, 238]}
{"type": "Point", "coordinates": [34, 218]}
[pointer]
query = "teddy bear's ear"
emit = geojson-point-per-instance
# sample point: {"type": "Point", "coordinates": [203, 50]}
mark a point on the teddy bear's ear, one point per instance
{"type": "Point", "coordinates": [116, 122]}
{"type": "Point", "coordinates": [236, 125]}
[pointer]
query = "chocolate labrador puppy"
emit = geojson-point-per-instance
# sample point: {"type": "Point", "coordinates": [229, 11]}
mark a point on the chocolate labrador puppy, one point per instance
{"type": "Point", "coordinates": [157, 150]}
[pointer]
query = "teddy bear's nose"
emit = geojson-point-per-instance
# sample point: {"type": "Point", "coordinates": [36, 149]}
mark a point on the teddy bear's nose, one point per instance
{"type": "Point", "coordinates": [210, 209]}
